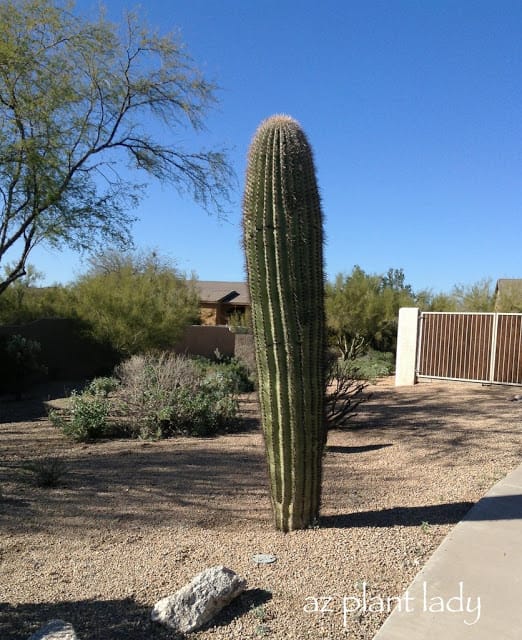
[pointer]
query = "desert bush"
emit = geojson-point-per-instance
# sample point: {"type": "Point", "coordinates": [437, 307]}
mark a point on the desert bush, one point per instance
{"type": "Point", "coordinates": [344, 393]}
{"type": "Point", "coordinates": [239, 376]}
{"type": "Point", "coordinates": [201, 412]}
{"type": "Point", "coordinates": [46, 472]}
{"type": "Point", "coordinates": [163, 372]}
{"type": "Point", "coordinates": [373, 365]}
{"type": "Point", "coordinates": [103, 386]}
{"type": "Point", "coordinates": [86, 417]}
{"type": "Point", "coordinates": [167, 394]}
{"type": "Point", "coordinates": [233, 371]}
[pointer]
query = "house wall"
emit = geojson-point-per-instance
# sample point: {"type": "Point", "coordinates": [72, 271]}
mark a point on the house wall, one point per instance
{"type": "Point", "coordinates": [218, 313]}
{"type": "Point", "coordinates": [68, 355]}
{"type": "Point", "coordinates": [207, 314]}
{"type": "Point", "coordinates": [201, 340]}
{"type": "Point", "coordinates": [205, 340]}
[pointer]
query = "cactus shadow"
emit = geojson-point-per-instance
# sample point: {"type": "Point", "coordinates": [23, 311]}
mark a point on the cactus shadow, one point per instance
{"type": "Point", "coordinates": [449, 513]}
{"type": "Point", "coordinates": [359, 449]}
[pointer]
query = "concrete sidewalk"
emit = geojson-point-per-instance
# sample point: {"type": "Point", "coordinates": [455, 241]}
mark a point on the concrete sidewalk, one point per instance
{"type": "Point", "coordinates": [471, 587]}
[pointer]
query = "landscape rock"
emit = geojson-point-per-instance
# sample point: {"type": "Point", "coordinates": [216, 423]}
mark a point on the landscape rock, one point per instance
{"type": "Point", "coordinates": [200, 600]}
{"type": "Point", "coordinates": [55, 630]}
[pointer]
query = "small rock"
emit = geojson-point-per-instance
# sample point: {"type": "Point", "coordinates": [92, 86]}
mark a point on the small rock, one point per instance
{"type": "Point", "coordinates": [55, 630]}
{"type": "Point", "coordinates": [200, 600]}
{"type": "Point", "coordinates": [264, 558]}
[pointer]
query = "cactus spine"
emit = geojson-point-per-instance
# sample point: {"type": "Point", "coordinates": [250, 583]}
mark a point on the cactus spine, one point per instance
{"type": "Point", "coordinates": [283, 239]}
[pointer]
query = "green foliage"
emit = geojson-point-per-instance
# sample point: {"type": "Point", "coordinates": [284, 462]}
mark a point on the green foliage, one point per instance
{"type": "Point", "coordinates": [366, 306]}
{"type": "Point", "coordinates": [24, 301]}
{"type": "Point", "coordinates": [103, 386]}
{"type": "Point", "coordinates": [235, 374]}
{"type": "Point", "coordinates": [76, 98]}
{"type": "Point", "coordinates": [86, 418]}
{"type": "Point", "coordinates": [201, 412]}
{"type": "Point", "coordinates": [135, 302]}
{"type": "Point", "coordinates": [373, 365]}
{"type": "Point", "coordinates": [283, 241]}
{"type": "Point", "coordinates": [165, 395]}
{"type": "Point", "coordinates": [478, 296]}
{"type": "Point", "coordinates": [128, 301]}
{"type": "Point", "coordinates": [428, 301]}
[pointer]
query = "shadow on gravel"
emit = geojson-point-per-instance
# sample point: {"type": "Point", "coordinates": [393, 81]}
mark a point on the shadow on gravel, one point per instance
{"type": "Point", "coordinates": [360, 449]}
{"type": "Point", "coordinates": [109, 619]}
{"type": "Point", "coordinates": [32, 404]}
{"type": "Point", "coordinates": [400, 516]}
{"type": "Point", "coordinates": [141, 485]}
{"type": "Point", "coordinates": [420, 409]}
{"type": "Point", "coordinates": [12, 410]}
{"type": "Point", "coordinates": [91, 619]}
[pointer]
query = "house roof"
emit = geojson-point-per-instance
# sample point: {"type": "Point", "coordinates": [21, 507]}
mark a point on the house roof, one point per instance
{"type": "Point", "coordinates": [509, 283]}
{"type": "Point", "coordinates": [214, 291]}
{"type": "Point", "coordinates": [508, 295]}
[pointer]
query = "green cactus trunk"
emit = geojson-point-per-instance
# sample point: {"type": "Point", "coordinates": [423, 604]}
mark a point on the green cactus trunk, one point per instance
{"type": "Point", "coordinates": [283, 239]}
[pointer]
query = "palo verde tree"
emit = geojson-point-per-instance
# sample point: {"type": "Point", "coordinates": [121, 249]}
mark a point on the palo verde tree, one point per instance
{"type": "Point", "coordinates": [363, 308]}
{"type": "Point", "coordinates": [134, 302]}
{"type": "Point", "coordinates": [80, 98]}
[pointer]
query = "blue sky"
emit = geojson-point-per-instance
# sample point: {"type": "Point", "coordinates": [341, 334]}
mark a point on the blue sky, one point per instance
{"type": "Point", "coordinates": [414, 111]}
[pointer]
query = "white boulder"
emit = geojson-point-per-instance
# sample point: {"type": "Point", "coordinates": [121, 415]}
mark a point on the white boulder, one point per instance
{"type": "Point", "coordinates": [200, 600]}
{"type": "Point", "coordinates": [55, 630]}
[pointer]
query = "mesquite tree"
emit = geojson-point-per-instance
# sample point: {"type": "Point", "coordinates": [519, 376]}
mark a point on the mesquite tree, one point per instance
{"type": "Point", "coordinates": [283, 239]}
{"type": "Point", "coordinates": [79, 100]}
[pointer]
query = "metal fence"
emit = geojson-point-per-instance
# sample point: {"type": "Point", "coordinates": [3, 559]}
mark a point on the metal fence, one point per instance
{"type": "Point", "coordinates": [475, 347]}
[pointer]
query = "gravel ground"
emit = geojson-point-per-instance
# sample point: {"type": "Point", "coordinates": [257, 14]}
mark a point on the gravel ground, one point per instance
{"type": "Point", "coordinates": [134, 521]}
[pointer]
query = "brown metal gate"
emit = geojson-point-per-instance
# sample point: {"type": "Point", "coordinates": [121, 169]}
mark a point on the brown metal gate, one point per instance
{"type": "Point", "coordinates": [475, 347]}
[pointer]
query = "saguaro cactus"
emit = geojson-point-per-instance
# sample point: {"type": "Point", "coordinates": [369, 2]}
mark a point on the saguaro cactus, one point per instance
{"type": "Point", "coordinates": [283, 239]}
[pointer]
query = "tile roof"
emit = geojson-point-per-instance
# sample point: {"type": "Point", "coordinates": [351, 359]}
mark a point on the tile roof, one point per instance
{"type": "Point", "coordinates": [217, 291]}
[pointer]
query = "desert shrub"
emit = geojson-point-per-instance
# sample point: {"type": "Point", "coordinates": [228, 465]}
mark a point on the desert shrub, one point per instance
{"type": "Point", "coordinates": [373, 365]}
{"type": "Point", "coordinates": [167, 394]}
{"type": "Point", "coordinates": [366, 305]}
{"type": "Point", "coordinates": [86, 417]}
{"type": "Point", "coordinates": [238, 375]}
{"type": "Point", "coordinates": [344, 393]}
{"type": "Point", "coordinates": [152, 396]}
{"type": "Point", "coordinates": [46, 472]}
{"type": "Point", "coordinates": [200, 412]}
{"type": "Point", "coordinates": [156, 372]}
{"type": "Point", "coordinates": [240, 321]}
{"type": "Point", "coordinates": [103, 386]}
{"type": "Point", "coordinates": [233, 371]}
